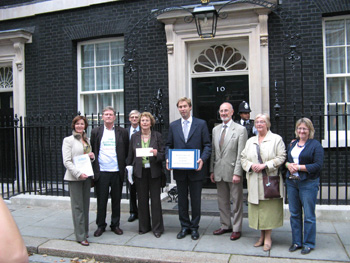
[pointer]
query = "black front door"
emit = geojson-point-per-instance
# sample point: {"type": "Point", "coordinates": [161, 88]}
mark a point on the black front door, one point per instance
{"type": "Point", "coordinates": [7, 140]}
{"type": "Point", "coordinates": [209, 93]}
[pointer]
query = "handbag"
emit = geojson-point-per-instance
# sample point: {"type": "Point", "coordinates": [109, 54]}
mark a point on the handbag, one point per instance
{"type": "Point", "coordinates": [271, 183]}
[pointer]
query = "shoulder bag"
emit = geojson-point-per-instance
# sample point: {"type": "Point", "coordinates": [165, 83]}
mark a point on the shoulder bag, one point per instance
{"type": "Point", "coordinates": [271, 183]}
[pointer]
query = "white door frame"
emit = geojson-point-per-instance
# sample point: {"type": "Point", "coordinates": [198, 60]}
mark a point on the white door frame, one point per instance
{"type": "Point", "coordinates": [243, 21]}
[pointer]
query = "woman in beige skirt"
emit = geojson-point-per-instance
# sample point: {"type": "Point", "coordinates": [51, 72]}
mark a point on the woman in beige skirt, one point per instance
{"type": "Point", "coordinates": [264, 214]}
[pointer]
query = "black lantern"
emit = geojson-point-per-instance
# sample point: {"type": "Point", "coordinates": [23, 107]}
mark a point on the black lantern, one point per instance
{"type": "Point", "coordinates": [206, 18]}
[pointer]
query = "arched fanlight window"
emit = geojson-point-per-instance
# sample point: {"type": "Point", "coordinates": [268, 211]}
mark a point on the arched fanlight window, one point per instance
{"type": "Point", "coordinates": [6, 78]}
{"type": "Point", "coordinates": [219, 58]}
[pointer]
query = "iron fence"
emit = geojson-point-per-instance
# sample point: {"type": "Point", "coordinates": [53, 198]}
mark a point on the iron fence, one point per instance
{"type": "Point", "coordinates": [332, 131]}
{"type": "Point", "coordinates": [31, 157]}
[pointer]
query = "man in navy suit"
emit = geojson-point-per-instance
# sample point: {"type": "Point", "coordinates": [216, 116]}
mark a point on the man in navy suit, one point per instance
{"type": "Point", "coordinates": [189, 133]}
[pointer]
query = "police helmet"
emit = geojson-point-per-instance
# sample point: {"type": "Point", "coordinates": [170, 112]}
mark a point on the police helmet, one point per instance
{"type": "Point", "coordinates": [244, 107]}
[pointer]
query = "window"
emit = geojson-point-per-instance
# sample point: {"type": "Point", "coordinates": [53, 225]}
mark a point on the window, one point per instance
{"type": "Point", "coordinates": [337, 71]}
{"type": "Point", "coordinates": [100, 76]}
{"type": "Point", "coordinates": [6, 79]}
{"type": "Point", "coordinates": [219, 58]}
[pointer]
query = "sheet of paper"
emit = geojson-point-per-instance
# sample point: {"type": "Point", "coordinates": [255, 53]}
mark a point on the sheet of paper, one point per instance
{"type": "Point", "coordinates": [83, 164]}
{"type": "Point", "coordinates": [144, 152]}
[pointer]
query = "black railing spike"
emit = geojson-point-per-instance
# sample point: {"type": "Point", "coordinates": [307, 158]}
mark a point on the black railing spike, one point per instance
{"type": "Point", "coordinates": [16, 120]}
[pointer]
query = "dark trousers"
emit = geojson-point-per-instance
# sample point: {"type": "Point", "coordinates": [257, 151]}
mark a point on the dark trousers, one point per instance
{"type": "Point", "coordinates": [195, 190]}
{"type": "Point", "coordinates": [108, 183]}
{"type": "Point", "coordinates": [133, 203]}
{"type": "Point", "coordinates": [147, 187]}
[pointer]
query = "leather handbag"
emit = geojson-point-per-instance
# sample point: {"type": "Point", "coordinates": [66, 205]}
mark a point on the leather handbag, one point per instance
{"type": "Point", "coordinates": [271, 183]}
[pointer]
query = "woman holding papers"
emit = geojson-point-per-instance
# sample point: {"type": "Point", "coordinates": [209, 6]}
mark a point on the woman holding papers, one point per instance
{"type": "Point", "coordinates": [79, 182]}
{"type": "Point", "coordinates": [146, 154]}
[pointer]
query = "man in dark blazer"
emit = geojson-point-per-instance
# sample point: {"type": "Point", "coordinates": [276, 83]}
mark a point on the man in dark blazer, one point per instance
{"type": "Point", "coordinates": [134, 117]}
{"type": "Point", "coordinates": [110, 146]}
{"type": "Point", "coordinates": [189, 133]}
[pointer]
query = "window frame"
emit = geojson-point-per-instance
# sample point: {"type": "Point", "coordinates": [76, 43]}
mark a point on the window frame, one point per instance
{"type": "Point", "coordinates": [80, 97]}
{"type": "Point", "coordinates": [333, 142]}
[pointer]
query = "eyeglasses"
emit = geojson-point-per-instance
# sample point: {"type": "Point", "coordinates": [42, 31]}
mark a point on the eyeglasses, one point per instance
{"type": "Point", "coordinates": [302, 129]}
{"type": "Point", "coordinates": [134, 117]}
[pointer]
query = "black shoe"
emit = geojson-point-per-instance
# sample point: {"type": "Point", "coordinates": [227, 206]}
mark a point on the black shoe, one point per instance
{"type": "Point", "coordinates": [305, 250]}
{"type": "Point", "coordinates": [99, 232]}
{"type": "Point", "coordinates": [294, 247]}
{"type": "Point", "coordinates": [194, 234]}
{"type": "Point", "coordinates": [183, 233]}
{"type": "Point", "coordinates": [132, 217]}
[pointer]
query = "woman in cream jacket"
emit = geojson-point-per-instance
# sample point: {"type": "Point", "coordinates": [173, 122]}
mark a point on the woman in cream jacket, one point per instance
{"type": "Point", "coordinates": [79, 183]}
{"type": "Point", "coordinates": [264, 214]}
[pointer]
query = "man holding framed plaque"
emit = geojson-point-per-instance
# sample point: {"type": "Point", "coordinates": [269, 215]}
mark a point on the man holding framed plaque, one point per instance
{"type": "Point", "coordinates": [192, 136]}
{"type": "Point", "coordinates": [229, 139]}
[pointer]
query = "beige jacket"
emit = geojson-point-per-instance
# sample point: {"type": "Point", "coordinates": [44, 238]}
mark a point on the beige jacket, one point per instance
{"type": "Point", "coordinates": [227, 162]}
{"type": "Point", "coordinates": [273, 154]}
{"type": "Point", "coordinates": [71, 147]}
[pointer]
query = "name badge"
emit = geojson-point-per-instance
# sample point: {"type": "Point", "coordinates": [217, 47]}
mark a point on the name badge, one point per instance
{"type": "Point", "coordinates": [147, 165]}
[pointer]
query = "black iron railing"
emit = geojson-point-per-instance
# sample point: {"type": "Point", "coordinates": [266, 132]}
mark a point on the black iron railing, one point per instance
{"type": "Point", "coordinates": [31, 157]}
{"type": "Point", "coordinates": [332, 130]}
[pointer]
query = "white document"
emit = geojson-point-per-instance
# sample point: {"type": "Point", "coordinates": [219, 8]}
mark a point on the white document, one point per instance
{"type": "Point", "coordinates": [83, 164]}
{"type": "Point", "coordinates": [144, 152]}
{"type": "Point", "coordinates": [130, 169]}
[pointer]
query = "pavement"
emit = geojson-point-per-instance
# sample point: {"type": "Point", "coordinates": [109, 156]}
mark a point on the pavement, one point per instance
{"type": "Point", "coordinates": [47, 229]}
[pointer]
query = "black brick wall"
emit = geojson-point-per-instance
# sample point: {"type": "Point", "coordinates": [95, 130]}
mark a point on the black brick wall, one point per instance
{"type": "Point", "coordinates": [51, 67]}
{"type": "Point", "coordinates": [51, 60]}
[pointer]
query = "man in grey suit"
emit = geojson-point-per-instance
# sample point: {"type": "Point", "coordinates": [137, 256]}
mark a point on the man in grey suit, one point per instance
{"type": "Point", "coordinates": [228, 141]}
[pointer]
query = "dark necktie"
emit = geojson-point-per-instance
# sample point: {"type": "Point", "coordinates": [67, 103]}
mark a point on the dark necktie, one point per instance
{"type": "Point", "coordinates": [244, 123]}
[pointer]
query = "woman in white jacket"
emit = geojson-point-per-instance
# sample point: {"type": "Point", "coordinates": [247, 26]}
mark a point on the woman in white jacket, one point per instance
{"type": "Point", "coordinates": [264, 214]}
{"type": "Point", "coordinates": [79, 183]}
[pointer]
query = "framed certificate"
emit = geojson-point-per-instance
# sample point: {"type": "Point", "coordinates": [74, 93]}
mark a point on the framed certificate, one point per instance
{"type": "Point", "coordinates": [83, 164]}
{"type": "Point", "coordinates": [183, 159]}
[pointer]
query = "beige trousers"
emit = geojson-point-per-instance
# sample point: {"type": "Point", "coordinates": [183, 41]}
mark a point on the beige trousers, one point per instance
{"type": "Point", "coordinates": [226, 193]}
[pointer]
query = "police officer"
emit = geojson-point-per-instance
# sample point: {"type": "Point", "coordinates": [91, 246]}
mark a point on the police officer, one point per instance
{"type": "Point", "coordinates": [244, 113]}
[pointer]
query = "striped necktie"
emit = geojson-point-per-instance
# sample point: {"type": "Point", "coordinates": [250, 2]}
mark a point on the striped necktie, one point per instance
{"type": "Point", "coordinates": [222, 138]}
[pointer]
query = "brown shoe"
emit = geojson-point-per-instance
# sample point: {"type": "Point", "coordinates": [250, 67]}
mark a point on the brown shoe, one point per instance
{"type": "Point", "coordinates": [235, 235]}
{"type": "Point", "coordinates": [99, 232]}
{"type": "Point", "coordinates": [117, 230]}
{"type": "Point", "coordinates": [259, 243]}
{"type": "Point", "coordinates": [267, 247]}
{"type": "Point", "coordinates": [221, 231]}
{"type": "Point", "coordinates": [84, 243]}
